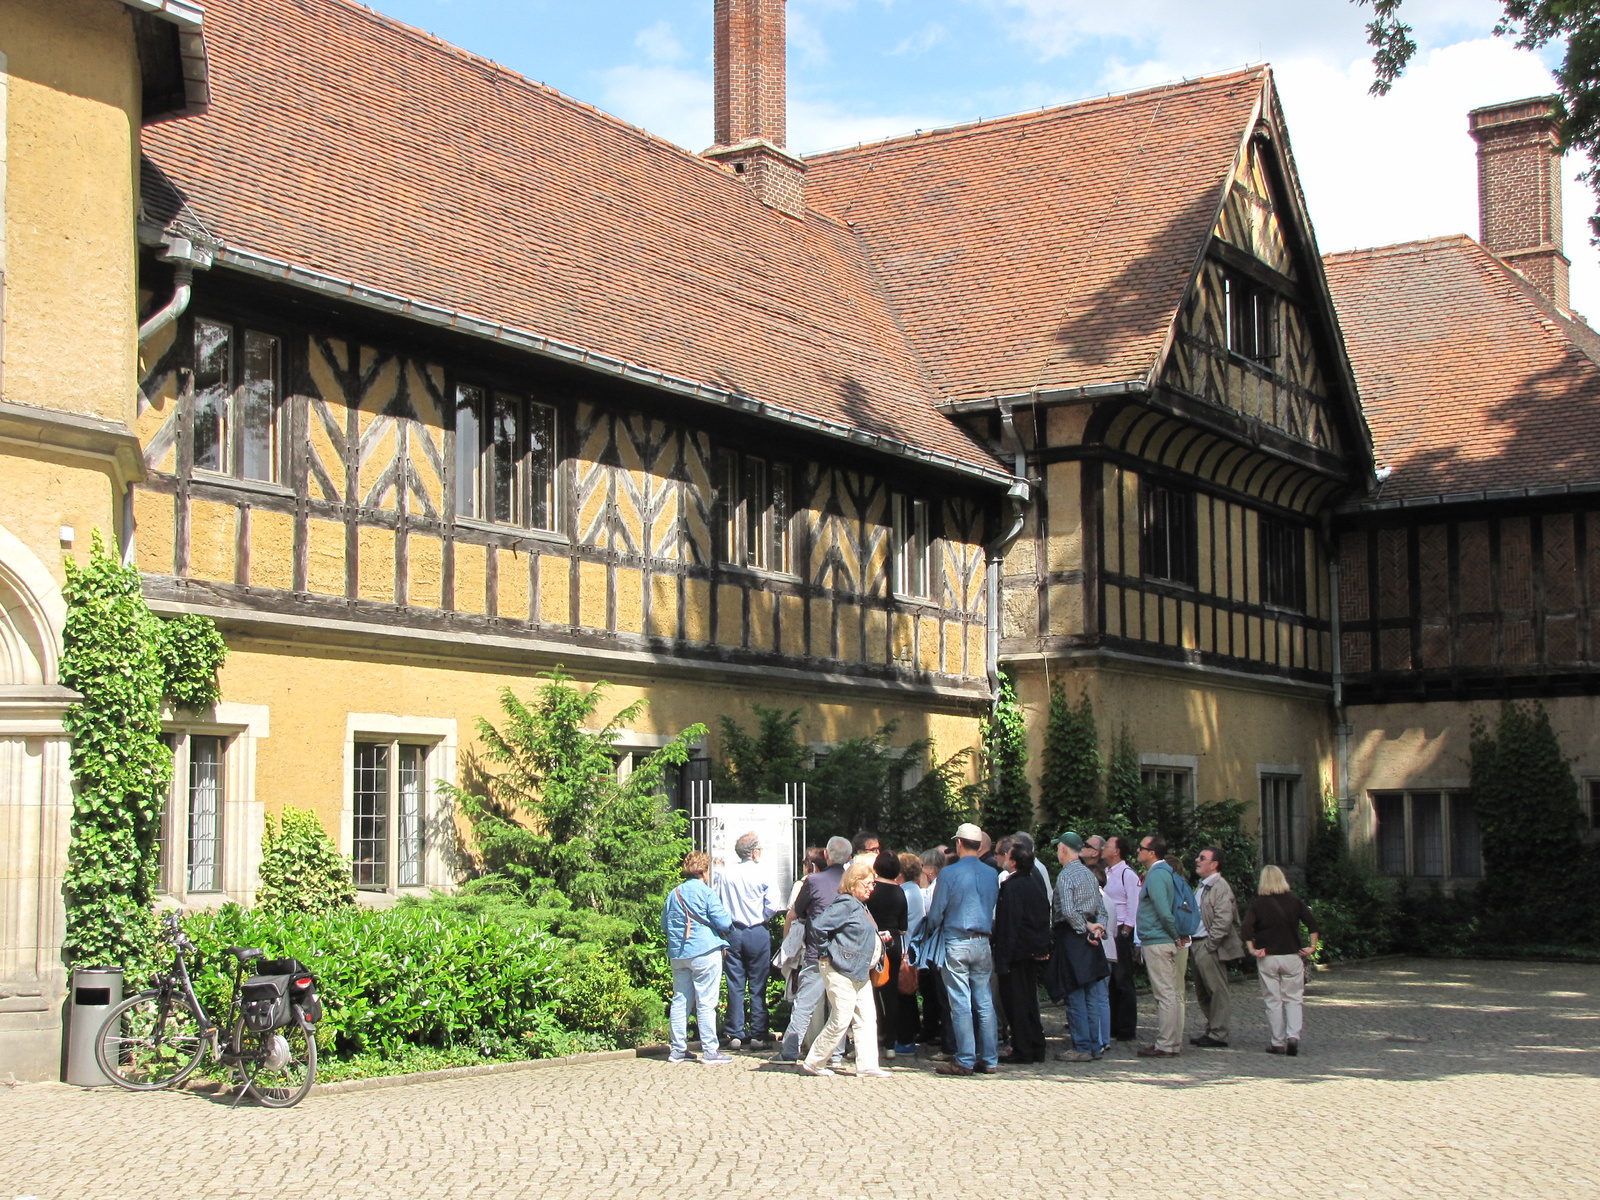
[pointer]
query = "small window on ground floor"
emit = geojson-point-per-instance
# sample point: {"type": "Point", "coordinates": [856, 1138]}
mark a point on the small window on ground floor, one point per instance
{"type": "Point", "coordinates": [1427, 835]}
{"type": "Point", "coordinates": [1280, 820]}
{"type": "Point", "coordinates": [189, 831]}
{"type": "Point", "coordinates": [1178, 781]}
{"type": "Point", "coordinates": [389, 804]}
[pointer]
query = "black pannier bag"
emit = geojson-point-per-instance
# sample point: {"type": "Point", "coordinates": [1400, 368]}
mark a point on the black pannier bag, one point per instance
{"type": "Point", "coordinates": [302, 986]}
{"type": "Point", "coordinates": [264, 1002]}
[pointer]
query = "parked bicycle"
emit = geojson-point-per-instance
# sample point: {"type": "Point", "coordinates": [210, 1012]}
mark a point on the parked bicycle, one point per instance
{"type": "Point", "coordinates": [157, 1038]}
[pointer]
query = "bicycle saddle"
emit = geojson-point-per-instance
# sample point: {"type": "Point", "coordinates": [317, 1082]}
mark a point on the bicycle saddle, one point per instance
{"type": "Point", "coordinates": [244, 954]}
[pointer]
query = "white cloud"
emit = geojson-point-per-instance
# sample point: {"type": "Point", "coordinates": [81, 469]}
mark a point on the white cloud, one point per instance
{"type": "Point", "coordinates": [1387, 169]}
{"type": "Point", "coordinates": [922, 41]}
{"type": "Point", "coordinates": [659, 42]}
{"type": "Point", "coordinates": [814, 127]}
{"type": "Point", "coordinates": [670, 102]}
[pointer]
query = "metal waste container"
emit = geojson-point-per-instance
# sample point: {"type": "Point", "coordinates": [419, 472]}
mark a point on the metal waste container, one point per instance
{"type": "Point", "coordinates": [95, 992]}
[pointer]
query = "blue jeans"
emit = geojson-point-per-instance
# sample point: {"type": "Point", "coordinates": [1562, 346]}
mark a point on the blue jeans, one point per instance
{"type": "Point", "coordinates": [1083, 1021]}
{"type": "Point", "coordinates": [1100, 1010]}
{"type": "Point", "coordinates": [749, 962]}
{"type": "Point", "coordinates": [809, 994]}
{"type": "Point", "coordinates": [968, 966]}
{"type": "Point", "coordinates": [697, 979]}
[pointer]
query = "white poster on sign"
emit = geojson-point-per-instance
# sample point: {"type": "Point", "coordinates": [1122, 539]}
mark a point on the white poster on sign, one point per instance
{"type": "Point", "coordinates": [772, 823]}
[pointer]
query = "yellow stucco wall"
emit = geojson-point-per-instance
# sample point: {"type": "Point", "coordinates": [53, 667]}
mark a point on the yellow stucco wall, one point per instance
{"type": "Point", "coordinates": [310, 693]}
{"type": "Point", "coordinates": [1233, 728]}
{"type": "Point", "coordinates": [1424, 747]}
{"type": "Point", "coordinates": [72, 108]}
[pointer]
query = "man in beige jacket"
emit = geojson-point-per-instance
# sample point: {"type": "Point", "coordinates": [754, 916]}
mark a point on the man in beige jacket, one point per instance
{"type": "Point", "coordinates": [1215, 945]}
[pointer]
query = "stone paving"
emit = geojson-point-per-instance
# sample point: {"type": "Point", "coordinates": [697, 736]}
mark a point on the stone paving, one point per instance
{"type": "Point", "coordinates": [1416, 1078]}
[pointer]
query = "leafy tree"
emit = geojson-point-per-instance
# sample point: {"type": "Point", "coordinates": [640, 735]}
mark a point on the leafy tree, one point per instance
{"type": "Point", "coordinates": [1571, 24]}
{"type": "Point", "coordinates": [1008, 802]}
{"type": "Point", "coordinates": [1069, 785]}
{"type": "Point", "coordinates": [549, 815]}
{"type": "Point", "coordinates": [754, 768]}
{"type": "Point", "coordinates": [123, 660]}
{"type": "Point", "coordinates": [301, 869]}
{"type": "Point", "coordinates": [858, 784]}
{"type": "Point", "coordinates": [1528, 813]}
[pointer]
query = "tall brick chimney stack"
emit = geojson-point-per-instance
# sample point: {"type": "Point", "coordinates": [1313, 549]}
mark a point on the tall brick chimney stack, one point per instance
{"type": "Point", "coordinates": [751, 113]}
{"type": "Point", "coordinates": [1519, 190]}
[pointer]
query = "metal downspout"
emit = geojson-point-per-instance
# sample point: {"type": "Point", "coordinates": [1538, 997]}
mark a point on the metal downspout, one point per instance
{"type": "Point", "coordinates": [182, 289]}
{"type": "Point", "coordinates": [1341, 764]}
{"type": "Point", "coordinates": [1018, 495]}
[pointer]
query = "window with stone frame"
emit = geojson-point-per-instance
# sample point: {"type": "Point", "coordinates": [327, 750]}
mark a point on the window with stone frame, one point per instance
{"type": "Point", "coordinates": [1427, 834]}
{"type": "Point", "coordinates": [389, 815]}
{"type": "Point", "coordinates": [237, 417]}
{"type": "Point", "coordinates": [189, 830]}
{"type": "Point", "coordinates": [1280, 819]}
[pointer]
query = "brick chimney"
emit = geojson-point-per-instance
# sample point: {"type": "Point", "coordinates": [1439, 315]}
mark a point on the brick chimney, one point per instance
{"type": "Point", "coordinates": [751, 102]}
{"type": "Point", "coordinates": [1519, 189]}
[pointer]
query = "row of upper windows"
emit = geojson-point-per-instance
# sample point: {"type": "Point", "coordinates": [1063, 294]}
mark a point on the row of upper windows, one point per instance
{"type": "Point", "coordinates": [505, 460]}
{"type": "Point", "coordinates": [1170, 546]}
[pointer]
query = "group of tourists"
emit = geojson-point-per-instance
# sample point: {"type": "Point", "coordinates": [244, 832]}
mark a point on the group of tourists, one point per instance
{"type": "Point", "coordinates": [951, 947]}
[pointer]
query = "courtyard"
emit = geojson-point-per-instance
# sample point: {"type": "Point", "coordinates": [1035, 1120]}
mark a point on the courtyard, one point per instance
{"type": "Point", "coordinates": [1416, 1078]}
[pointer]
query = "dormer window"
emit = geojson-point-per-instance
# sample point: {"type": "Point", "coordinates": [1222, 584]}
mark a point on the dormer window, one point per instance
{"type": "Point", "coordinates": [1252, 318]}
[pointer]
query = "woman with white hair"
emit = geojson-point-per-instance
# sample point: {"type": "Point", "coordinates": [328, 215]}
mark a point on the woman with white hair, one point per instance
{"type": "Point", "coordinates": [1272, 933]}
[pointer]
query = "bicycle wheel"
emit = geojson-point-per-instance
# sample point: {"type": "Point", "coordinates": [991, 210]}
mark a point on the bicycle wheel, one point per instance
{"type": "Point", "coordinates": [280, 1066]}
{"type": "Point", "coordinates": [150, 1041]}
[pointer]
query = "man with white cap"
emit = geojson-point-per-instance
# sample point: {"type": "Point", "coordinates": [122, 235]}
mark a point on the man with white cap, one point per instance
{"type": "Point", "coordinates": [956, 930]}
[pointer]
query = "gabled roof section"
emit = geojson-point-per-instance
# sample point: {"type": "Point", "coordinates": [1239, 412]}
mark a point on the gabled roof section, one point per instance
{"type": "Point", "coordinates": [1475, 385]}
{"type": "Point", "coordinates": [346, 151]}
{"type": "Point", "coordinates": [1046, 252]}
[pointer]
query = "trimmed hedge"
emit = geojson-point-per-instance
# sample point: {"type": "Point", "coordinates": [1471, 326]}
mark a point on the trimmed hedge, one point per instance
{"type": "Point", "coordinates": [422, 976]}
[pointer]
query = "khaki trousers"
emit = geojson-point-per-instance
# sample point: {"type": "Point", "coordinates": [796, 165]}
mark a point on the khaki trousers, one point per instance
{"type": "Point", "coordinates": [1164, 964]}
{"type": "Point", "coordinates": [1211, 989]}
{"type": "Point", "coordinates": [1283, 986]}
{"type": "Point", "coordinates": [849, 1003]}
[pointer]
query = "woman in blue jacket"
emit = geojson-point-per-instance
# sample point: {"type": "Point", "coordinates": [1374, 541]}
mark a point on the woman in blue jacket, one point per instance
{"type": "Point", "coordinates": [696, 926]}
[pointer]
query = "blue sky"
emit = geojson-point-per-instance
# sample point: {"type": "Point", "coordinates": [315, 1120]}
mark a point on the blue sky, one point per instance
{"type": "Point", "coordinates": [1375, 170]}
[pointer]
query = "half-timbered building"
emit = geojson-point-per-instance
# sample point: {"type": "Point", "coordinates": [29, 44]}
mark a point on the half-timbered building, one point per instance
{"type": "Point", "coordinates": [1125, 298]}
{"type": "Point", "coordinates": [1471, 575]}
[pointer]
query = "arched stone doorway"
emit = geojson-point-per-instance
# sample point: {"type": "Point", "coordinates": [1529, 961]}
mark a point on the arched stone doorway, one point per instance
{"type": "Point", "coordinates": [35, 814]}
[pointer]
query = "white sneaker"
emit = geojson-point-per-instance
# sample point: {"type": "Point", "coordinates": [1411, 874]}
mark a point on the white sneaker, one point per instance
{"type": "Point", "coordinates": [871, 1073]}
{"type": "Point", "coordinates": [735, 1044]}
{"type": "Point", "coordinates": [805, 1070]}
{"type": "Point", "coordinates": [887, 1052]}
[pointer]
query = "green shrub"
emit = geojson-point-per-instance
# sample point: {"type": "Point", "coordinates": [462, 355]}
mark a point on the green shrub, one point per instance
{"type": "Point", "coordinates": [1007, 796]}
{"type": "Point", "coordinates": [1069, 783]}
{"type": "Point", "coordinates": [1353, 903]}
{"type": "Point", "coordinates": [301, 869]}
{"type": "Point", "coordinates": [406, 976]}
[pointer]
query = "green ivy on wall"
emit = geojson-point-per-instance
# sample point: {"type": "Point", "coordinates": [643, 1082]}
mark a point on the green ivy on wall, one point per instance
{"type": "Point", "coordinates": [123, 660]}
{"type": "Point", "coordinates": [1008, 807]}
{"type": "Point", "coordinates": [1069, 785]}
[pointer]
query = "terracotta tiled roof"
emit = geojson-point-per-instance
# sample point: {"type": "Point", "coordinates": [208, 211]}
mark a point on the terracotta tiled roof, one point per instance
{"type": "Point", "coordinates": [1471, 379]}
{"type": "Point", "coordinates": [1049, 250]}
{"type": "Point", "coordinates": [341, 141]}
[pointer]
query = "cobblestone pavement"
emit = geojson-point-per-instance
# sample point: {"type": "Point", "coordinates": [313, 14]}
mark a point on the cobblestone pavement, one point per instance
{"type": "Point", "coordinates": [1416, 1078]}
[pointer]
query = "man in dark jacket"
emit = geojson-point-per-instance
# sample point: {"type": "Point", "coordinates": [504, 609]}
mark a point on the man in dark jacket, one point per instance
{"type": "Point", "coordinates": [1021, 943]}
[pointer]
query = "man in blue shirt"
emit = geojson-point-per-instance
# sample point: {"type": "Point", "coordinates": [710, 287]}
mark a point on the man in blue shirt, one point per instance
{"type": "Point", "coordinates": [746, 891]}
{"type": "Point", "coordinates": [957, 929]}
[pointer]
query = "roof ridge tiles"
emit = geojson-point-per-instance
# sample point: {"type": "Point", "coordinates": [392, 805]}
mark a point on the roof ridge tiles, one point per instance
{"type": "Point", "coordinates": [1050, 112]}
